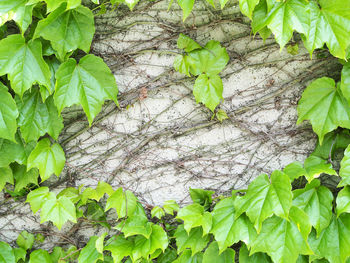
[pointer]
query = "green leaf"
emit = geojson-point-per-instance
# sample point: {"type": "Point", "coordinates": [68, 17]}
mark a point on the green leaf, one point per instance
{"type": "Point", "coordinates": [130, 3]}
{"type": "Point", "coordinates": [281, 240]}
{"type": "Point", "coordinates": [221, 115]}
{"type": "Point", "coordinates": [100, 243]}
{"type": "Point", "coordinates": [71, 193]}
{"type": "Point", "coordinates": [182, 65]}
{"type": "Point", "coordinates": [170, 206]}
{"type": "Point", "coordinates": [259, 257]}
{"type": "Point", "coordinates": [186, 257]}
{"type": "Point", "coordinates": [186, 43]}
{"type": "Point", "coordinates": [194, 215]}
{"type": "Point", "coordinates": [293, 49]}
{"type": "Point", "coordinates": [344, 171]}
{"type": "Point", "coordinates": [20, 254]}
{"type": "Point", "coordinates": [168, 256]}
{"type": "Point", "coordinates": [212, 254]}
{"type": "Point", "coordinates": [89, 253]}
{"type": "Point", "coordinates": [266, 197]}
{"type": "Point", "coordinates": [316, 201]}
{"type": "Point", "coordinates": [120, 248]}
{"type": "Point", "coordinates": [67, 30]}
{"type": "Point", "coordinates": [330, 24]}
{"type": "Point", "coordinates": [186, 6]}
{"type": "Point", "coordinates": [8, 114]}
{"type": "Point", "coordinates": [195, 240]}
{"type": "Point", "coordinates": [202, 197]}
{"type": "Point", "coordinates": [124, 203]}
{"type": "Point", "coordinates": [23, 62]}
{"type": "Point", "coordinates": [24, 177]}
{"type": "Point", "coordinates": [25, 240]}
{"type": "Point", "coordinates": [58, 211]}
{"type": "Point", "coordinates": [227, 229]}
{"type": "Point", "coordinates": [38, 197]}
{"type": "Point", "coordinates": [14, 152]}
{"type": "Point", "coordinates": [334, 241]}
{"type": "Point", "coordinates": [157, 212]}
{"type": "Point", "coordinates": [345, 81]}
{"type": "Point", "coordinates": [6, 253]}
{"type": "Point", "coordinates": [36, 118]}
{"type": "Point", "coordinates": [48, 159]}
{"type": "Point", "coordinates": [54, 4]}
{"type": "Point", "coordinates": [145, 247]}
{"type": "Point", "coordinates": [323, 104]}
{"type": "Point", "coordinates": [247, 7]}
{"type": "Point", "coordinates": [208, 90]}
{"type": "Point", "coordinates": [343, 201]}
{"type": "Point", "coordinates": [54, 64]}
{"type": "Point", "coordinates": [89, 83]}
{"type": "Point", "coordinates": [40, 256]}
{"type": "Point", "coordinates": [6, 176]}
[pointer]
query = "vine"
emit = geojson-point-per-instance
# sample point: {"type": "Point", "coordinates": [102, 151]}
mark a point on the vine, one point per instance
{"type": "Point", "coordinates": [288, 216]}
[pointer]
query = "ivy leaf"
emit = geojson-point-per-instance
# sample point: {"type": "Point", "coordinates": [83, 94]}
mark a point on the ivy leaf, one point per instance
{"type": "Point", "coordinates": [186, 257]}
{"type": "Point", "coordinates": [195, 240]}
{"type": "Point", "coordinates": [186, 6]}
{"type": "Point", "coordinates": [316, 201]}
{"type": "Point", "coordinates": [227, 229]}
{"type": "Point", "coordinates": [247, 7]}
{"type": "Point", "coordinates": [6, 253]}
{"type": "Point", "coordinates": [40, 256]}
{"type": "Point", "coordinates": [38, 197]}
{"type": "Point", "coordinates": [6, 176]}
{"type": "Point", "coordinates": [14, 152]}
{"type": "Point", "coordinates": [58, 211]}
{"type": "Point", "coordinates": [281, 240]}
{"type": "Point", "coordinates": [194, 215]}
{"type": "Point", "coordinates": [124, 203]}
{"type": "Point", "coordinates": [170, 206]}
{"type": "Point", "coordinates": [266, 197]}
{"type": "Point", "coordinates": [334, 241]}
{"type": "Point", "coordinates": [343, 201]}
{"type": "Point", "coordinates": [48, 159]}
{"type": "Point", "coordinates": [20, 254]}
{"type": "Point", "coordinates": [323, 104]}
{"type": "Point", "coordinates": [120, 247]}
{"type": "Point", "coordinates": [89, 253]}
{"type": "Point", "coordinates": [89, 83]}
{"type": "Point", "coordinates": [130, 3]}
{"type": "Point", "coordinates": [157, 212]}
{"type": "Point", "coordinates": [54, 64]}
{"type": "Point", "coordinates": [330, 24]}
{"type": "Point", "coordinates": [182, 65]}
{"type": "Point", "coordinates": [212, 254]}
{"type": "Point", "coordinates": [344, 171]}
{"type": "Point", "coordinates": [8, 114]}
{"type": "Point", "coordinates": [186, 43]}
{"type": "Point", "coordinates": [208, 90]}
{"type": "Point", "coordinates": [259, 19]}
{"type": "Point", "coordinates": [259, 257]}
{"type": "Point", "coordinates": [54, 4]}
{"type": "Point", "coordinates": [202, 197]}
{"type": "Point", "coordinates": [145, 247]}
{"type": "Point", "coordinates": [25, 240]}
{"type": "Point", "coordinates": [100, 242]}
{"type": "Point", "coordinates": [67, 30]}
{"type": "Point", "coordinates": [24, 177]}
{"type": "Point", "coordinates": [36, 118]}
{"type": "Point", "coordinates": [23, 62]}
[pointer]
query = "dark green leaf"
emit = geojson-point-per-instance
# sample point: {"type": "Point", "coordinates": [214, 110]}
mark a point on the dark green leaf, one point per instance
{"type": "Point", "coordinates": [24, 177]}
{"type": "Point", "coordinates": [6, 176]}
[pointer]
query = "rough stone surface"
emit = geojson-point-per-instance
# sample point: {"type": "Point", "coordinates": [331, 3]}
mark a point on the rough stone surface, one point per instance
{"type": "Point", "coordinates": [159, 143]}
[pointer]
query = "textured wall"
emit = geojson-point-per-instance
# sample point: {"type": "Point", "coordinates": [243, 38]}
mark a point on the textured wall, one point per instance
{"type": "Point", "coordinates": [160, 142]}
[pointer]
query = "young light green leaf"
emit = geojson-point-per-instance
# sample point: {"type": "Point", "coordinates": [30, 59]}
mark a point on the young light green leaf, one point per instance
{"type": "Point", "coordinates": [330, 24]}
{"type": "Point", "coordinates": [227, 229]}
{"type": "Point", "coordinates": [124, 203]}
{"type": "Point", "coordinates": [40, 256]}
{"type": "Point", "coordinates": [182, 65]}
{"type": "Point", "coordinates": [36, 118]}
{"type": "Point", "coordinates": [259, 257]}
{"type": "Point", "coordinates": [193, 216]}
{"type": "Point", "coordinates": [186, 257]}
{"type": "Point", "coordinates": [24, 177]}
{"type": "Point", "coordinates": [20, 254]}
{"type": "Point", "coordinates": [345, 81]}
{"type": "Point", "coordinates": [266, 197]}
{"type": "Point", "coordinates": [157, 212]}
{"type": "Point", "coordinates": [54, 4]}
{"type": "Point", "coordinates": [195, 240]}
{"type": "Point", "coordinates": [58, 211]}
{"type": "Point", "coordinates": [130, 3]}
{"type": "Point", "coordinates": [343, 201]}
{"type": "Point", "coordinates": [323, 104]}
{"type": "Point", "coordinates": [186, 6]}
{"type": "Point", "coordinates": [120, 247]}
{"type": "Point", "coordinates": [89, 83]}
{"type": "Point", "coordinates": [202, 197]}
{"type": "Point", "coordinates": [281, 240]}
{"type": "Point", "coordinates": [247, 7]}
{"type": "Point", "coordinates": [8, 114]}
{"type": "Point", "coordinates": [38, 197]}
{"type": "Point", "coordinates": [67, 29]}
{"type": "Point", "coordinates": [89, 253]}
{"type": "Point", "coordinates": [71, 193]}
{"type": "Point", "coordinates": [25, 240]}
{"type": "Point", "coordinates": [344, 171]}
{"type": "Point", "coordinates": [221, 115]}
{"type": "Point", "coordinates": [316, 201]}
{"type": "Point", "coordinates": [100, 243]}
{"type": "Point", "coordinates": [170, 206]}
{"type": "Point", "coordinates": [145, 247]}
{"type": "Point", "coordinates": [208, 90]}
{"type": "Point", "coordinates": [6, 176]}
{"type": "Point", "coordinates": [48, 159]}
{"type": "Point", "coordinates": [186, 43]}
{"type": "Point", "coordinates": [23, 62]}
{"type": "Point", "coordinates": [6, 253]}
{"type": "Point", "coordinates": [334, 241]}
{"type": "Point", "coordinates": [212, 254]}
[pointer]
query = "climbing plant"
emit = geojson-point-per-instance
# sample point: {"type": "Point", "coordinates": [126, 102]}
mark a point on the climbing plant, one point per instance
{"type": "Point", "coordinates": [45, 68]}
